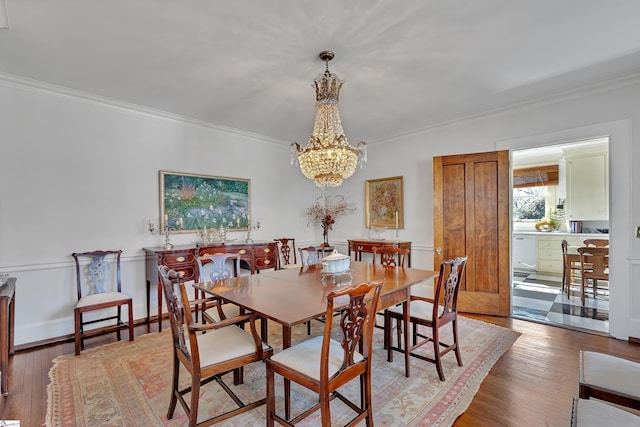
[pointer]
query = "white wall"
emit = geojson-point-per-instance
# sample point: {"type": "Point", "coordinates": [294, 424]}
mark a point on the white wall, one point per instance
{"type": "Point", "coordinates": [80, 175]}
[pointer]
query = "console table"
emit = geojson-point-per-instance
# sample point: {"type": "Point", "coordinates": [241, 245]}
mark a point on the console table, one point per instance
{"type": "Point", "coordinates": [360, 246]}
{"type": "Point", "coordinates": [257, 256]}
{"type": "Point", "coordinates": [7, 322]}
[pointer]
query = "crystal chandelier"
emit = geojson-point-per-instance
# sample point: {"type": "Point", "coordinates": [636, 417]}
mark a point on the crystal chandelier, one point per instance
{"type": "Point", "coordinates": [328, 158]}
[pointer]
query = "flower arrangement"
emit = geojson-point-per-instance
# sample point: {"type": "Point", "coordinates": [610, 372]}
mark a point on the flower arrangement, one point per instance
{"type": "Point", "coordinates": [324, 212]}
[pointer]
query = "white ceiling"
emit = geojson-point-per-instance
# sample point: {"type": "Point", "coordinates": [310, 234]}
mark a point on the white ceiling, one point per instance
{"type": "Point", "coordinates": [249, 64]}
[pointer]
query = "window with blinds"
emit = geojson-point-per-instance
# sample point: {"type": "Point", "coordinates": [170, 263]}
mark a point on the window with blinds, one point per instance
{"type": "Point", "coordinates": [539, 176]}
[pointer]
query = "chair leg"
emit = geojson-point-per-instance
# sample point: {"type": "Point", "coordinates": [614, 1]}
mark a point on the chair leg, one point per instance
{"type": "Point", "coordinates": [119, 322]}
{"type": "Point", "coordinates": [174, 387]}
{"type": "Point", "coordinates": [130, 321]}
{"type": "Point", "coordinates": [582, 291]}
{"type": "Point", "coordinates": [325, 410]}
{"type": "Point", "coordinates": [77, 319]}
{"type": "Point", "coordinates": [455, 341]}
{"type": "Point", "coordinates": [387, 336]}
{"type": "Point", "coordinates": [367, 399]}
{"type": "Point", "coordinates": [436, 352]}
{"type": "Point", "coordinates": [195, 399]}
{"type": "Point", "coordinates": [271, 396]}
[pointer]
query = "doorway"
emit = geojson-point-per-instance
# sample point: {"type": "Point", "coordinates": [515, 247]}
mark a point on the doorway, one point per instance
{"type": "Point", "coordinates": [552, 202]}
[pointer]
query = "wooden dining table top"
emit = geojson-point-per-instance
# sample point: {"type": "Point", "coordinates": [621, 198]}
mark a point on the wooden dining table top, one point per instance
{"type": "Point", "coordinates": [296, 295]}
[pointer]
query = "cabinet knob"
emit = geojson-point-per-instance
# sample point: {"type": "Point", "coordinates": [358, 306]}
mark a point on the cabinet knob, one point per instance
{"type": "Point", "coordinates": [267, 261]}
{"type": "Point", "coordinates": [267, 250]}
{"type": "Point", "coordinates": [180, 259]}
{"type": "Point", "coordinates": [242, 252]}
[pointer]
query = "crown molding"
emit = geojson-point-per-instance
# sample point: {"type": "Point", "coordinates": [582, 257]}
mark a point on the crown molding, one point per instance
{"type": "Point", "coordinates": [49, 88]}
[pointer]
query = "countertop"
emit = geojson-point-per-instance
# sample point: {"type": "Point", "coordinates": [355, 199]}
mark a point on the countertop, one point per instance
{"type": "Point", "coordinates": [562, 233]}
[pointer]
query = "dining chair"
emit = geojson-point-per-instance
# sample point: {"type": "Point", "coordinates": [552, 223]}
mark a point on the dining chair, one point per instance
{"type": "Point", "coordinates": [208, 352]}
{"type": "Point", "coordinates": [311, 255]}
{"type": "Point", "coordinates": [433, 314]}
{"type": "Point", "coordinates": [324, 364]}
{"type": "Point", "coordinates": [218, 266]}
{"type": "Point", "coordinates": [595, 266]}
{"type": "Point", "coordinates": [388, 256]}
{"type": "Point", "coordinates": [599, 243]}
{"type": "Point", "coordinates": [569, 268]}
{"type": "Point", "coordinates": [286, 251]}
{"type": "Point", "coordinates": [609, 378]}
{"type": "Point", "coordinates": [99, 287]}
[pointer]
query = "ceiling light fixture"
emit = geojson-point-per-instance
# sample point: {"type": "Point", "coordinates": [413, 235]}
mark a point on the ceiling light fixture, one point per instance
{"type": "Point", "coordinates": [328, 158]}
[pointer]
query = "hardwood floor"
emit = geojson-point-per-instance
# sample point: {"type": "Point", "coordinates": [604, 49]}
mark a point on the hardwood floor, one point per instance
{"type": "Point", "coordinates": [531, 385]}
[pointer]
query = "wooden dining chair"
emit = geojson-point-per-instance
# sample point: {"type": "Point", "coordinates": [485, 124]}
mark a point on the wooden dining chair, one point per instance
{"type": "Point", "coordinates": [609, 378]}
{"type": "Point", "coordinates": [591, 413]}
{"type": "Point", "coordinates": [569, 268]}
{"type": "Point", "coordinates": [208, 352]}
{"type": "Point", "coordinates": [324, 364]}
{"type": "Point", "coordinates": [599, 243]}
{"type": "Point", "coordinates": [287, 253]}
{"type": "Point", "coordinates": [99, 288]}
{"type": "Point", "coordinates": [431, 313]}
{"type": "Point", "coordinates": [595, 266]}
{"type": "Point", "coordinates": [213, 267]}
{"type": "Point", "coordinates": [311, 255]}
{"type": "Point", "coordinates": [388, 256]}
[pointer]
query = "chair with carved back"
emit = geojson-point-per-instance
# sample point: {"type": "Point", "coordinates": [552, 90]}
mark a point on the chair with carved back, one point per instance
{"type": "Point", "coordinates": [324, 364]}
{"type": "Point", "coordinates": [433, 314]}
{"type": "Point", "coordinates": [213, 267]}
{"type": "Point", "coordinates": [311, 255]}
{"type": "Point", "coordinates": [208, 352]}
{"type": "Point", "coordinates": [287, 251]}
{"type": "Point", "coordinates": [388, 256]}
{"type": "Point", "coordinates": [99, 288]}
{"type": "Point", "coordinates": [595, 266]}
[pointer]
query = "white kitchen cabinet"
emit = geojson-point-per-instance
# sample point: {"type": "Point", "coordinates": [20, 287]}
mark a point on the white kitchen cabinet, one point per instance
{"type": "Point", "coordinates": [550, 250]}
{"type": "Point", "coordinates": [588, 188]}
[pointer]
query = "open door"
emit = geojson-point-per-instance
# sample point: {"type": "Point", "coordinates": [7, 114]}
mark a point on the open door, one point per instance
{"type": "Point", "coordinates": [471, 217]}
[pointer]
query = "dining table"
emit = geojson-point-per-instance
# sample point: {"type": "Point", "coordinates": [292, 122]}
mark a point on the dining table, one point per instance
{"type": "Point", "coordinates": [294, 296]}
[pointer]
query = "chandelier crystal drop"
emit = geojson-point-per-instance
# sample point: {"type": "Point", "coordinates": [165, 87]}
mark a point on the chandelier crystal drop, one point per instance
{"type": "Point", "coordinates": [328, 158]}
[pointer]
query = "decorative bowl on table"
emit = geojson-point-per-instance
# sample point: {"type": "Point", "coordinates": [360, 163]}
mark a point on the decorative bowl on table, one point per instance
{"type": "Point", "coordinates": [336, 263]}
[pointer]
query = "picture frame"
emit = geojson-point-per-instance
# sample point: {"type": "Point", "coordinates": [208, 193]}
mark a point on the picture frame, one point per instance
{"type": "Point", "coordinates": [189, 202]}
{"type": "Point", "coordinates": [384, 207]}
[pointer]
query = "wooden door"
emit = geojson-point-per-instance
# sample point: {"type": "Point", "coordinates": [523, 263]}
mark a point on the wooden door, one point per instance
{"type": "Point", "coordinates": [471, 217]}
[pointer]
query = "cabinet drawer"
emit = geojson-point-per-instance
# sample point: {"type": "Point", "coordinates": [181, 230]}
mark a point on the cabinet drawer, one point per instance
{"type": "Point", "coordinates": [175, 259]}
{"type": "Point", "coordinates": [552, 266]}
{"type": "Point", "coordinates": [266, 251]}
{"type": "Point", "coordinates": [187, 273]}
{"type": "Point", "coordinates": [550, 244]}
{"type": "Point", "coordinates": [551, 254]}
{"type": "Point", "coordinates": [263, 263]}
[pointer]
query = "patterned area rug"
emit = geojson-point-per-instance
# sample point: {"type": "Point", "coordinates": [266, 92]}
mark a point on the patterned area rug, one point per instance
{"type": "Point", "coordinates": [128, 384]}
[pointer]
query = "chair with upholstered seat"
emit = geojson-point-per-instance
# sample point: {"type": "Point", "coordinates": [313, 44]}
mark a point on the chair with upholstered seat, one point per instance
{"type": "Point", "coordinates": [324, 364]}
{"type": "Point", "coordinates": [99, 289]}
{"type": "Point", "coordinates": [208, 352]}
{"type": "Point", "coordinates": [595, 266]}
{"type": "Point", "coordinates": [609, 378]}
{"type": "Point", "coordinates": [311, 255]}
{"type": "Point", "coordinates": [388, 256]}
{"type": "Point", "coordinates": [433, 314]}
{"type": "Point", "coordinates": [217, 267]}
{"type": "Point", "coordinates": [287, 251]}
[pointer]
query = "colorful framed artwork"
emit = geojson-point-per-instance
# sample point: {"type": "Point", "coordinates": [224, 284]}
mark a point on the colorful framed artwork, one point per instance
{"type": "Point", "coordinates": [383, 203]}
{"type": "Point", "coordinates": [190, 202]}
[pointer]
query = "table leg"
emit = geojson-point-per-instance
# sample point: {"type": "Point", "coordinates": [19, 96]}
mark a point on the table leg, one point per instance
{"type": "Point", "coordinates": [4, 345]}
{"type": "Point", "coordinates": [159, 308]}
{"type": "Point", "coordinates": [286, 343]}
{"type": "Point", "coordinates": [148, 306]}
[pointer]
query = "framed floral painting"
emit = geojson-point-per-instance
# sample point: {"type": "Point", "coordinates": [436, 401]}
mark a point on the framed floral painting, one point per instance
{"type": "Point", "coordinates": [383, 203]}
{"type": "Point", "coordinates": [190, 202]}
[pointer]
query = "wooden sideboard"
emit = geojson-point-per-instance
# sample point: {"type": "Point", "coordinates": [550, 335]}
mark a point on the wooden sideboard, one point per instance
{"type": "Point", "coordinates": [7, 323]}
{"type": "Point", "coordinates": [360, 246]}
{"type": "Point", "coordinates": [256, 256]}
